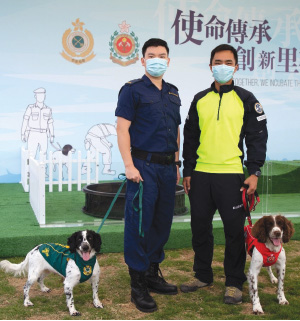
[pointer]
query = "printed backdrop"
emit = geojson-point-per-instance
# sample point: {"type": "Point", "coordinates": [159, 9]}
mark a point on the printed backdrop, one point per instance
{"type": "Point", "coordinates": [73, 56]}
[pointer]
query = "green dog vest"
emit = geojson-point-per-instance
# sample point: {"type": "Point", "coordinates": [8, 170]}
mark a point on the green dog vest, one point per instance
{"type": "Point", "coordinates": [58, 255]}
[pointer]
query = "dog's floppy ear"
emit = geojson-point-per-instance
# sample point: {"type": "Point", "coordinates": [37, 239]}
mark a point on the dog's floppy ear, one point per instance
{"type": "Point", "coordinates": [259, 230]}
{"type": "Point", "coordinates": [288, 229]}
{"type": "Point", "coordinates": [97, 241]}
{"type": "Point", "coordinates": [72, 242]}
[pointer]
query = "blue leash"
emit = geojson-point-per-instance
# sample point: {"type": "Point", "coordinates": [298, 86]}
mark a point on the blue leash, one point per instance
{"type": "Point", "coordinates": [139, 209]}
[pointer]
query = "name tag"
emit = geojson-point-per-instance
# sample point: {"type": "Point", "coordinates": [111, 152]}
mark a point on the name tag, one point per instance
{"type": "Point", "coordinates": [262, 117]}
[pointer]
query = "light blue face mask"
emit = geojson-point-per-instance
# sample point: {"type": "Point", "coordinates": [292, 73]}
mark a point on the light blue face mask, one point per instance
{"type": "Point", "coordinates": [223, 73]}
{"type": "Point", "coordinates": [156, 66]}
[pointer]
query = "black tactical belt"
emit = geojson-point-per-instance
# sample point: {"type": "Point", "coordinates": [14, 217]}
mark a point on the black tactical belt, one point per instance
{"type": "Point", "coordinates": [156, 158]}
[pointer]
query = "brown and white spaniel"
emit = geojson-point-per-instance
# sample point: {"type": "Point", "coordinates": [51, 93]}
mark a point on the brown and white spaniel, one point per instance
{"type": "Point", "coordinates": [265, 240]}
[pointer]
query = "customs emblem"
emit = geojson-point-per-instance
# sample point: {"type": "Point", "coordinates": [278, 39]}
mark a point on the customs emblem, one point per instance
{"type": "Point", "coordinates": [78, 44]}
{"type": "Point", "coordinates": [87, 270]}
{"type": "Point", "coordinates": [124, 46]}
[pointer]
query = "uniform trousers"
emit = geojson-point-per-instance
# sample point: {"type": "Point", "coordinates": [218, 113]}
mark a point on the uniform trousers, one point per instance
{"type": "Point", "coordinates": [158, 204]}
{"type": "Point", "coordinates": [209, 192]}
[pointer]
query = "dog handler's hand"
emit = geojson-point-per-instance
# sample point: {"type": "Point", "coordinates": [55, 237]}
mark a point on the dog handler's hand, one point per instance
{"type": "Point", "coordinates": [251, 181]}
{"type": "Point", "coordinates": [187, 184]}
{"type": "Point", "coordinates": [133, 174]}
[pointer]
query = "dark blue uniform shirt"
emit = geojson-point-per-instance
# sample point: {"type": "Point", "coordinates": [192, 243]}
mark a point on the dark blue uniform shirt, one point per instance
{"type": "Point", "coordinates": [154, 115]}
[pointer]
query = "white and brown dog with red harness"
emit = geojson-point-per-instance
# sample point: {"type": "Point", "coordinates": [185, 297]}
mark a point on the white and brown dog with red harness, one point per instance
{"type": "Point", "coordinates": [76, 262]}
{"type": "Point", "coordinates": [264, 243]}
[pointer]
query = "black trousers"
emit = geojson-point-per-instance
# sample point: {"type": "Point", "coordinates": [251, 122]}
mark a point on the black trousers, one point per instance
{"type": "Point", "coordinates": [208, 193]}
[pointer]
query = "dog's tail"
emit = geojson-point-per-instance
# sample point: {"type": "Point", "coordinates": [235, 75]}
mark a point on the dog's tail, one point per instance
{"type": "Point", "coordinates": [16, 269]}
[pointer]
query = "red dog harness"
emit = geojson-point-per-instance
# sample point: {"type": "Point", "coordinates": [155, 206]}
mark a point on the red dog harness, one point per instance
{"type": "Point", "coordinates": [269, 257]}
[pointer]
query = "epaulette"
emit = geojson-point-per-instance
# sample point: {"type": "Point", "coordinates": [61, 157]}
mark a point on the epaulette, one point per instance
{"type": "Point", "coordinates": [132, 82]}
{"type": "Point", "coordinates": [172, 86]}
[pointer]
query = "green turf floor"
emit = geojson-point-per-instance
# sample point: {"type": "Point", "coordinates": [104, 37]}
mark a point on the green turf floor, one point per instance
{"type": "Point", "coordinates": [20, 230]}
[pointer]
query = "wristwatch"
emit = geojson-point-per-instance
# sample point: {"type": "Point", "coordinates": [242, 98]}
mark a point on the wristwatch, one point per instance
{"type": "Point", "coordinates": [178, 163]}
{"type": "Point", "coordinates": [257, 173]}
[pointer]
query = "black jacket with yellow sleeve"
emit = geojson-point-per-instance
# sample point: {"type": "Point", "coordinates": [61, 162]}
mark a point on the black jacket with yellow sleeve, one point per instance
{"type": "Point", "coordinates": [216, 127]}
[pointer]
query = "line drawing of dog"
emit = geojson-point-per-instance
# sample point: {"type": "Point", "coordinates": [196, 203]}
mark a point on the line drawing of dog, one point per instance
{"type": "Point", "coordinates": [76, 262]}
{"type": "Point", "coordinates": [63, 153]}
{"type": "Point", "coordinates": [265, 244]}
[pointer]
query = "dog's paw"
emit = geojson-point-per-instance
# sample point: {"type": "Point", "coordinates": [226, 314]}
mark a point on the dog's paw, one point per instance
{"type": "Point", "coordinates": [98, 305]}
{"type": "Point", "coordinates": [257, 309]}
{"type": "Point", "coordinates": [274, 280]}
{"type": "Point", "coordinates": [28, 303]}
{"type": "Point", "coordinates": [45, 290]}
{"type": "Point", "coordinates": [283, 302]}
{"type": "Point", "coordinates": [75, 313]}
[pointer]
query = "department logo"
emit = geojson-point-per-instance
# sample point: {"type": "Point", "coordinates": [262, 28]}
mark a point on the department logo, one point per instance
{"type": "Point", "coordinates": [271, 259]}
{"type": "Point", "coordinates": [124, 46]}
{"type": "Point", "coordinates": [258, 108]}
{"type": "Point", "coordinates": [87, 270]}
{"type": "Point", "coordinates": [78, 44]}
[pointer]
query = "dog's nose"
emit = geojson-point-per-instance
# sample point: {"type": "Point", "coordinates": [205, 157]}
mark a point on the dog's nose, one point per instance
{"type": "Point", "coordinates": [277, 233]}
{"type": "Point", "coordinates": [85, 247]}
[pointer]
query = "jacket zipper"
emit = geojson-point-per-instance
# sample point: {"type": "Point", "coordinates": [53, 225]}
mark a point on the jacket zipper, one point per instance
{"type": "Point", "coordinates": [221, 95]}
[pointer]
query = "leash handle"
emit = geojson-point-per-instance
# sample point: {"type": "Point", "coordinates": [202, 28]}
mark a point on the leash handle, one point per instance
{"type": "Point", "coordinates": [249, 202]}
{"type": "Point", "coordinates": [139, 193]}
{"type": "Point", "coordinates": [113, 202]}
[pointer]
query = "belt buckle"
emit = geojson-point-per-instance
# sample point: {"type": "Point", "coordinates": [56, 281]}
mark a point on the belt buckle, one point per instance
{"type": "Point", "coordinates": [169, 159]}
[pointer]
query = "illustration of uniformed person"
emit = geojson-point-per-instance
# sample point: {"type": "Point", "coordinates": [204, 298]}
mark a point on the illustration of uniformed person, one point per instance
{"type": "Point", "coordinates": [37, 124]}
{"type": "Point", "coordinates": [95, 140]}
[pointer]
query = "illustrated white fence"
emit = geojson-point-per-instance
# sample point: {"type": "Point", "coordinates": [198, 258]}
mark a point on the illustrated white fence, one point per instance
{"type": "Point", "coordinates": [37, 189]}
{"type": "Point", "coordinates": [37, 174]}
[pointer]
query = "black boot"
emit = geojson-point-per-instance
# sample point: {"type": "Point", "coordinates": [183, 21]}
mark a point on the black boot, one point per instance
{"type": "Point", "coordinates": [139, 293]}
{"type": "Point", "coordinates": [158, 284]}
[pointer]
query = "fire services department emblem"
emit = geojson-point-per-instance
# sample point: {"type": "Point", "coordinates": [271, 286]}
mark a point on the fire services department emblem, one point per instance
{"type": "Point", "coordinates": [78, 44]}
{"type": "Point", "coordinates": [271, 259]}
{"type": "Point", "coordinates": [124, 46]}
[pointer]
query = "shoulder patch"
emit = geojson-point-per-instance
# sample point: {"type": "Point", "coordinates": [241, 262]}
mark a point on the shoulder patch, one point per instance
{"type": "Point", "coordinates": [172, 86]}
{"type": "Point", "coordinates": [132, 82]}
{"type": "Point", "coordinates": [258, 108]}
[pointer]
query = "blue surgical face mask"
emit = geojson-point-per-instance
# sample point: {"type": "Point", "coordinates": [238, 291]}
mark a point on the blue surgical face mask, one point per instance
{"type": "Point", "coordinates": [223, 73]}
{"type": "Point", "coordinates": [156, 66]}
